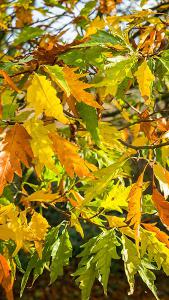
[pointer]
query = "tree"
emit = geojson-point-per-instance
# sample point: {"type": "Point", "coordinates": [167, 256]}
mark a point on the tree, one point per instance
{"type": "Point", "coordinates": [62, 64]}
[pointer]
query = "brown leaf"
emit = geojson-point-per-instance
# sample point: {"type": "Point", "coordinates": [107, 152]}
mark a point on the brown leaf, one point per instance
{"type": "Point", "coordinates": [9, 81]}
{"type": "Point", "coordinates": [134, 207]}
{"type": "Point", "coordinates": [14, 149]}
{"type": "Point", "coordinates": [69, 157]}
{"type": "Point", "coordinates": [162, 206]}
{"type": "Point", "coordinates": [5, 278]}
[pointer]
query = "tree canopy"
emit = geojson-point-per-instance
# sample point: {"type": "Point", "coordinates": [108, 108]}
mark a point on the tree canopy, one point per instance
{"type": "Point", "coordinates": [84, 139]}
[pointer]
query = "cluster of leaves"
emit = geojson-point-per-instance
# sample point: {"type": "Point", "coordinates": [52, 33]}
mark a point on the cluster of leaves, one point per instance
{"type": "Point", "coordinates": [60, 153]}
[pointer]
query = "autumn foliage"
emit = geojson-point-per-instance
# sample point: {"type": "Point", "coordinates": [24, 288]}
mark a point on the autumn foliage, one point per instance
{"type": "Point", "coordinates": [84, 140]}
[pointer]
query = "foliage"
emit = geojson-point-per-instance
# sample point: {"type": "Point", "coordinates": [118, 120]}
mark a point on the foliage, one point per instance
{"type": "Point", "coordinates": [84, 138]}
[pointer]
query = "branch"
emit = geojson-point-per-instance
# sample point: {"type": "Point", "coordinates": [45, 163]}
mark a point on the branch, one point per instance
{"type": "Point", "coordinates": [144, 146]}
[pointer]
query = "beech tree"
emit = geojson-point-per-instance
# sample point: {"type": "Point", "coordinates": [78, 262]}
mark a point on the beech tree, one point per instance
{"type": "Point", "coordinates": [84, 138]}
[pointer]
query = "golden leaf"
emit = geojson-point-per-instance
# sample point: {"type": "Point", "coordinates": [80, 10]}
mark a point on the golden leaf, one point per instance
{"type": "Point", "coordinates": [38, 228]}
{"type": "Point", "coordinates": [43, 196]}
{"type": "Point", "coordinates": [42, 97]}
{"type": "Point", "coordinates": [134, 207]}
{"type": "Point", "coordinates": [15, 148]}
{"type": "Point", "coordinates": [145, 79]}
{"type": "Point", "coordinates": [41, 145]}
{"type": "Point", "coordinates": [77, 87]}
{"type": "Point", "coordinates": [68, 155]}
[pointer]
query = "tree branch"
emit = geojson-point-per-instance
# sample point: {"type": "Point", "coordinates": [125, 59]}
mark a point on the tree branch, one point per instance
{"type": "Point", "coordinates": [144, 146]}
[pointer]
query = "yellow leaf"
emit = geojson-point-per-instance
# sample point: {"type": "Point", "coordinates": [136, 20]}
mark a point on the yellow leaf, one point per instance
{"type": "Point", "coordinates": [75, 222]}
{"type": "Point", "coordinates": [15, 227]}
{"type": "Point", "coordinates": [117, 222]}
{"type": "Point", "coordinates": [69, 157]}
{"type": "Point", "coordinates": [134, 207]}
{"type": "Point", "coordinates": [38, 228]}
{"type": "Point", "coordinates": [163, 177]}
{"type": "Point", "coordinates": [145, 79]}
{"type": "Point", "coordinates": [77, 87]}
{"type": "Point", "coordinates": [42, 97]}
{"type": "Point", "coordinates": [43, 196]}
{"type": "Point", "coordinates": [41, 145]}
{"type": "Point", "coordinates": [96, 24]}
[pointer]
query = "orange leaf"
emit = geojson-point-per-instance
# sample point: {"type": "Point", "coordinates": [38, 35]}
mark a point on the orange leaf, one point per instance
{"type": "Point", "coordinates": [14, 149]}
{"type": "Point", "coordinates": [77, 87]}
{"type": "Point", "coordinates": [5, 278]}
{"type": "Point", "coordinates": [9, 81]}
{"type": "Point", "coordinates": [160, 235]}
{"type": "Point", "coordinates": [134, 207]}
{"type": "Point", "coordinates": [69, 157]}
{"type": "Point", "coordinates": [162, 206]}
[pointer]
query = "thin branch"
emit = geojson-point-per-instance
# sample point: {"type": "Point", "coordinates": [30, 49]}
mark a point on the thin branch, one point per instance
{"type": "Point", "coordinates": [144, 146]}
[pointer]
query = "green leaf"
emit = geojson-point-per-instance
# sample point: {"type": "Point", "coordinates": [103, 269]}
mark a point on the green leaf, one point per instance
{"type": "Point", "coordinates": [89, 116]}
{"type": "Point", "coordinates": [31, 264]}
{"type": "Point", "coordinates": [84, 57]}
{"type": "Point", "coordinates": [27, 34]}
{"type": "Point", "coordinates": [86, 272]}
{"type": "Point", "coordinates": [38, 264]}
{"type": "Point", "coordinates": [88, 7]}
{"type": "Point", "coordinates": [57, 75]}
{"type": "Point", "coordinates": [61, 253]}
{"type": "Point", "coordinates": [114, 74]}
{"type": "Point", "coordinates": [96, 261]}
{"type": "Point", "coordinates": [103, 178]}
{"type": "Point", "coordinates": [131, 261]}
{"type": "Point", "coordinates": [148, 277]}
{"type": "Point", "coordinates": [156, 250]}
{"type": "Point", "coordinates": [104, 251]}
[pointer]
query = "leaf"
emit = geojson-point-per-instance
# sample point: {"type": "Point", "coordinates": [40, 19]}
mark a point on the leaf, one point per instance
{"type": "Point", "coordinates": [9, 81]}
{"type": "Point", "coordinates": [133, 264]}
{"type": "Point", "coordinates": [31, 264]}
{"type": "Point", "coordinates": [156, 250]}
{"type": "Point", "coordinates": [57, 75]}
{"type": "Point", "coordinates": [89, 116]}
{"type": "Point", "coordinates": [160, 235]}
{"type": "Point", "coordinates": [26, 34]}
{"type": "Point", "coordinates": [116, 199]}
{"type": "Point", "coordinates": [163, 177]}
{"type": "Point", "coordinates": [102, 179]}
{"type": "Point", "coordinates": [134, 207]}
{"type": "Point", "coordinates": [104, 251]}
{"type": "Point", "coordinates": [42, 196]}
{"type": "Point", "coordinates": [73, 163]}
{"type": "Point", "coordinates": [38, 227]}
{"type": "Point", "coordinates": [145, 79]}
{"type": "Point", "coordinates": [162, 206]}
{"type": "Point", "coordinates": [131, 261]}
{"type": "Point", "coordinates": [96, 261]}
{"type": "Point", "coordinates": [41, 145]}
{"type": "Point", "coordinates": [77, 87]}
{"type": "Point", "coordinates": [42, 97]}
{"type": "Point", "coordinates": [61, 253]}
{"type": "Point", "coordinates": [5, 278]}
{"type": "Point", "coordinates": [37, 264]}
{"type": "Point", "coordinates": [76, 223]}
{"type": "Point", "coordinates": [114, 74]}
{"type": "Point", "coordinates": [15, 148]}
{"type": "Point", "coordinates": [148, 277]}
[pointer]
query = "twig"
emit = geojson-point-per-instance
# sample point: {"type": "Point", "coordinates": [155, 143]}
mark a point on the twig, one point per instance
{"type": "Point", "coordinates": [144, 146]}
